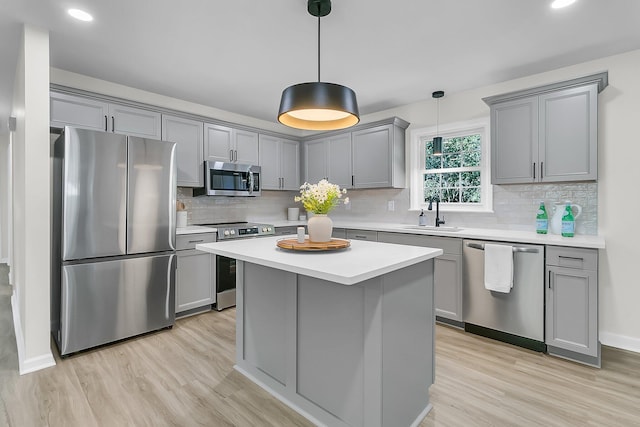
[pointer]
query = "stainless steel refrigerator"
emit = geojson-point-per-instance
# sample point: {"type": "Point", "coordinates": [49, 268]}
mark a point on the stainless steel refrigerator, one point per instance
{"type": "Point", "coordinates": [113, 237]}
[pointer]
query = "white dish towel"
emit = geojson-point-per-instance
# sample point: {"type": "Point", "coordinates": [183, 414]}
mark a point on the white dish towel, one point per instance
{"type": "Point", "coordinates": [498, 267]}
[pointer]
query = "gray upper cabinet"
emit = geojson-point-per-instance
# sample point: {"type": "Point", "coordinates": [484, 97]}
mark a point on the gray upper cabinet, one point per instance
{"type": "Point", "coordinates": [135, 121]}
{"type": "Point", "coordinates": [546, 134]}
{"type": "Point", "coordinates": [571, 319]}
{"type": "Point", "coordinates": [70, 110]}
{"type": "Point", "coordinates": [280, 163]}
{"type": "Point", "coordinates": [226, 144]}
{"type": "Point", "coordinates": [88, 113]}
{"type": "Point", "coordinates": [188, 136]}
{"type": "Point", "coordinates": [329, 158]}
{"type": "Point", "coordinates": [447, 271]}
{"type": "Point", "coordinates": [369, 156]}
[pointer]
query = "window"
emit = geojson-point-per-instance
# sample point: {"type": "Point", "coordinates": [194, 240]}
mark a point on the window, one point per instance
{"type": "Point", "coordinates": [459, 178]}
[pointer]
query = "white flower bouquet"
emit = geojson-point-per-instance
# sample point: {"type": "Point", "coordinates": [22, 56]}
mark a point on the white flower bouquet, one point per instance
{"type": "Point", "coordinates": [322, 197]}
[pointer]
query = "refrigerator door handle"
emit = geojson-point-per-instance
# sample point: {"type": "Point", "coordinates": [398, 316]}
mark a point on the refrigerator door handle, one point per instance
{"type": "Point", "coordinates": [169, 306]}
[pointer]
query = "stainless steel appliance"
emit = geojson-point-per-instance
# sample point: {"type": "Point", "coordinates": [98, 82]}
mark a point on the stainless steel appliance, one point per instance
{"type": "Point", "coordinates": [226, 267]}
{"type": "Point", "coordinates": [113, 237]}
{"type": "Point", "coordinates": [230, 179]}
{"type": "Point", "coordinates": [516, 317]}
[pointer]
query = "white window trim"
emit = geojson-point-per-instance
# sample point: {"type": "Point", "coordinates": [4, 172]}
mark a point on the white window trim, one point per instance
{"type": "Point", "coordinates": [416, 153]}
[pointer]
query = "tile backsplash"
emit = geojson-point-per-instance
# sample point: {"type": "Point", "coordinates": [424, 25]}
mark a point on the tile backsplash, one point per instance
{"type": "Point", "coordinates": [514, 207]}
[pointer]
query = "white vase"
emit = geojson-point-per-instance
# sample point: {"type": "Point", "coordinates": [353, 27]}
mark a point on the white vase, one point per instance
{"type": "Point", "coordinates": [320, 228]}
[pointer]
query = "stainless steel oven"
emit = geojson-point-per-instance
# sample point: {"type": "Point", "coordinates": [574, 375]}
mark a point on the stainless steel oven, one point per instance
{"type": "Point", "coordinates": [226, 267]}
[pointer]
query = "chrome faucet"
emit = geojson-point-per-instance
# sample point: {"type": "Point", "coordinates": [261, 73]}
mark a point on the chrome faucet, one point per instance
{"type": "Point", "coordinates": [439, 221]}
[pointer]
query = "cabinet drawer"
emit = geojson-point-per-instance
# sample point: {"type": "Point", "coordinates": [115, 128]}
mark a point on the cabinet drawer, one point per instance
{"type": "Point", "coordinates": [288, 229]}
{"type": "Point", "coordinates": [362, 235]}
{"type": "Point", "coordinates": [189, 241]}
{"type": "Point", "coordinates": [450, 245]}
{"type": "Point", "coordinates": [584, 259]}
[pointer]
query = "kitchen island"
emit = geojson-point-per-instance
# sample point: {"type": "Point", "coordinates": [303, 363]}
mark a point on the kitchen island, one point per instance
{"type": "Point", "coordinates": [345, 338]}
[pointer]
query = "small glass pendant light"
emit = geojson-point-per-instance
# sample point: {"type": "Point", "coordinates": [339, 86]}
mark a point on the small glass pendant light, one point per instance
{"type": "Point", "coordinates": [437, 140]}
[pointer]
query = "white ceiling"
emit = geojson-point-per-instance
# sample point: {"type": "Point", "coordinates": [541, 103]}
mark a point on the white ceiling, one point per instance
{"type": "Point", "coordinates": [238, 55]}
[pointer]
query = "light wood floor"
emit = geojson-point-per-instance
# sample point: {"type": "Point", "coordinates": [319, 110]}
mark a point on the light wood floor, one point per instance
{"type": "Point", "coordinates": [185, 377]}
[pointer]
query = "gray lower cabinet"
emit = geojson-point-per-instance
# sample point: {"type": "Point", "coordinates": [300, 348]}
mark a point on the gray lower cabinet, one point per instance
{"type": "Point", "coordinates": [339, 233]}
{"type": "Point", "coordinates": [447, 270]}
{"type": "Point", "coordinates": [196, 274]}
{"type": "Point", "coordinates": [362, 235]}
{"type": "Point", "coordinates": [572, 304]}
{"type": "Point", "coordinates": [287, 230]}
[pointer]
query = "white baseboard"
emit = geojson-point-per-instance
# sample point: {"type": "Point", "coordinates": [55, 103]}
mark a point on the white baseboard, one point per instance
{"type": "Point", "coordinates": [31, 364]}
{"type": "Point", "coordinates": [620, 341]}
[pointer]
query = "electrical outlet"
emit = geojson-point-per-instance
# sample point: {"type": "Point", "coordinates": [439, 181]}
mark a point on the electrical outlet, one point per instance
{"type": "Point", "coordinates": [391, 205]}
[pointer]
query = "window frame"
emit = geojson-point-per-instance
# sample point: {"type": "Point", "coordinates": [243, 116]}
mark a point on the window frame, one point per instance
{"type": "Point", "coordinates": [417, 166]}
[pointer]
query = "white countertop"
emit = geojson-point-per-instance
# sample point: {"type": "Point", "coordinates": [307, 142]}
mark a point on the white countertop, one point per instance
{"type": "Point", "coordinates": [579, 240]}
{"type": "Point", "coordinates": [195, 229]}
{"type": "Point", "coordinates": [362, 261]}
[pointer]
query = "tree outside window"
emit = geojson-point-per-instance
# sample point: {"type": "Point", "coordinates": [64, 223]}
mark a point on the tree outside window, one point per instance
{"type": "Point", "coordinates": [455, 176]}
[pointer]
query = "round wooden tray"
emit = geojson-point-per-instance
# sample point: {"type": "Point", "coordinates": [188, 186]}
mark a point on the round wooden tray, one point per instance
{"type": "Point", "coordinates": [332, 245]}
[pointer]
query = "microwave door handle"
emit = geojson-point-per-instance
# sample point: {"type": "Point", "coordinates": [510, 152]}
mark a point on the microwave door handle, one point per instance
{"type": "Point", "coordinates": [250, 182]}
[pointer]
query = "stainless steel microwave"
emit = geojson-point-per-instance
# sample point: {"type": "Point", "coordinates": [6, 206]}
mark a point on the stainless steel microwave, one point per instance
{"type": "Point", "coordinates": [230, 179]}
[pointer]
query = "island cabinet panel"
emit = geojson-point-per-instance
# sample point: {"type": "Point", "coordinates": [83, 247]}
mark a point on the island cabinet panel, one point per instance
{"type": "Point", "coordinates": [265, 319]}
{"type": "Point", "coordinates": [330, 343]}
{"type": "Point", "coordinates": [342, 355]}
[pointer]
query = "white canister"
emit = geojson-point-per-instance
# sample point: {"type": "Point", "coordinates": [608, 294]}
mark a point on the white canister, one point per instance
{"type": "Point", "coordinates": [181, 218]}
{"type": "Point", "coordinates": [292, 214]}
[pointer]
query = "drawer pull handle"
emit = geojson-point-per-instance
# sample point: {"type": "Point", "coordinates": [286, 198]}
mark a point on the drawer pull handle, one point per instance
{"type": "Point", "coordinates": [196, 241]}
{"type": "Point", "coordinates": [515, 248]}
{"type": "Point", "coordinates": [571, 258]}
{"type": "Point", "coordinates": [361, 237]}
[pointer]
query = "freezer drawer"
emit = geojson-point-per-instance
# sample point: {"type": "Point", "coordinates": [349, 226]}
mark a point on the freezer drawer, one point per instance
{"type": "Point", "coordinates": [519, 312]}
{"type": "Point", "coordinates": [106, 301]}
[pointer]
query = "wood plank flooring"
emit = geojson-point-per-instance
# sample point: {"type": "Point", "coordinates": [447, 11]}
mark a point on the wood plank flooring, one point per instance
{"type": "Point", "coordinates": [185, 377]}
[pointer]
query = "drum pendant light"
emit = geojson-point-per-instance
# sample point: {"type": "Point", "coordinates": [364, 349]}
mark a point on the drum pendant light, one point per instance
{"type": "Point", "coordinates": [318, 105]}
{"type": "Point", "coordinates": [437, 140]}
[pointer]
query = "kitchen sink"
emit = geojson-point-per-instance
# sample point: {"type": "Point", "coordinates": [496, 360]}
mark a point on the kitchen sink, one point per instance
{"type": "Point", "coordinates": [432, 228]}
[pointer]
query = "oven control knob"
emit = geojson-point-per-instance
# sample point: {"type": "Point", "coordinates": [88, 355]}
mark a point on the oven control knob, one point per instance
{"type": "Point", "coordinates": [269, 229]}
{"type": "Point", "coordinates": [226, 232]}
{"type": "Point", "coordinates": [264, 229]}
{"type": "Point", "coordinates": [233, 232]}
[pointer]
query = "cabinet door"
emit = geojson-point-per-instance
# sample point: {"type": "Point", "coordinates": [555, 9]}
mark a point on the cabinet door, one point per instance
{"type": "Point", "coordinates": [270, 162]}
{"type": "Point", "coordinates": [339, 164]}
{"type": "Point", "coordinates": [217, 143]}
{"type": "Point", "coordinates": [246, 147]}
{"type": "Point", "coordinates": [290, 164]}
{"type": "Point", "coordinates": [568, 134]}
{"type": "Point", "coordinates": [134, 121]}
{"type": "Point", "coordinates": [514, 141]}
{"type": "Point", "coordinates": [447, 281]}
{"type": "Point", "coordinates": [69, 110]}
{"type": "Point", "coordinates": [315, 161]}
{"type": "Point", "coordinates": [572, 310]}
{"type": "Point", "coordinates": [188, 136]}
{"type": "Point", "coordinates": [372, 157]}
{"type": "Point", "coordinates": [339, 233]}
{"type": "Point", "coordinates": [195, 277]}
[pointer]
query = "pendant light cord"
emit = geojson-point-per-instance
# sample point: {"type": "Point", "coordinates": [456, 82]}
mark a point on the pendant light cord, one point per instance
{"type": "Point", "coordinates": [438, 117]}
{"type": "Point", "coordinates": [318, 42]}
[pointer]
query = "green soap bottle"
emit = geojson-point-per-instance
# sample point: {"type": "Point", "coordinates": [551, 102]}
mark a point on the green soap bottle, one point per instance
{"type": "Point", "coordinates": [542, 220]}
{"type": "Point", "coordinates": [568, 222]}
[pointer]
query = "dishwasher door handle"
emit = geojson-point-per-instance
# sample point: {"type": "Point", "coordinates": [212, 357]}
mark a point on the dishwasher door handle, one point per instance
{"type": "Point", "coordinates": [515, 248]}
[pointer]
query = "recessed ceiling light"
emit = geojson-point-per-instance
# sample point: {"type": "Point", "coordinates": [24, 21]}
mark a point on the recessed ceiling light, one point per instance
{"type": "Point", "coordinates": [80, 15]}
{"type": "Point", "coordinates": [559, 4]}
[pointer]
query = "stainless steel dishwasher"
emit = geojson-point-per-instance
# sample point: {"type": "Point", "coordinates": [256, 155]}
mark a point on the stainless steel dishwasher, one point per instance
{"type": "Point", "coordinates": [516, 317]}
